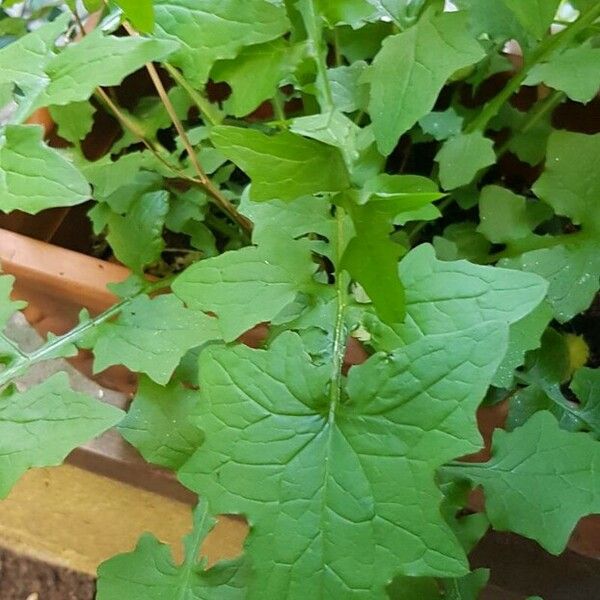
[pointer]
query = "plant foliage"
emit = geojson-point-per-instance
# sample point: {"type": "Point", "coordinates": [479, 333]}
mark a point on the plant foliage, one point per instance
{"type": "Point", "coordinates": [336, 174]}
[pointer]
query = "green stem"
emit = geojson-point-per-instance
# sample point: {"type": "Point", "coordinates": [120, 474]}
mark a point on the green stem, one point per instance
{"type": "Point", "coordinates": [545, 49]}
{"type": "Point", "coordinates": [14, 346]}
{"type": "Point", "coordinates": [206, 108]}
{"type": "Point", "coordinates": [339, 333]}
{"type": "Point", "coordinates": [51, 349]}
{"type": "Point", "coordinates": [319, 53]}
{"type": "Point", "coordinates": [548, 104]}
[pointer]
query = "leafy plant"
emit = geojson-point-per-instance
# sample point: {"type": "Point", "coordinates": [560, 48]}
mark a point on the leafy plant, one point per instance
{"type": "Point", "coordinates": [354, 185]}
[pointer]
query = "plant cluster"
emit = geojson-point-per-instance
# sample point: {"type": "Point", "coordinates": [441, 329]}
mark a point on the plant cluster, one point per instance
{"type": "Point", "coordinates": [354, 174]}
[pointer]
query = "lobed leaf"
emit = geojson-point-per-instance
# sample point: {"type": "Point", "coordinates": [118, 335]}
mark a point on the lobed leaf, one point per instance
{"type": "Point", "coordinates": [45, 180]}
{"type": "Point", "coordinates": [248, 286]}
{"type": "Point", "coordinates": [208, 32]}
{"type": "Point", "coordinates": [540, 480]}
{"type": "Point", "coordinates": [149, 572]}
{"type": "Point", "coordinates": [283, 166]}
{"type": "Point", "coordinates": [341, 495]}
{"type": "Point", "coordinates": [151, 336]}
{"type": "Point", "coordinates": [410, 70]}
{"type": "Point", "coordinates": [39, 427]}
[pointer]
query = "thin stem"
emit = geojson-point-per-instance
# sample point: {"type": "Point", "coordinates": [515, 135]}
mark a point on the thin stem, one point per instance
{"type": "Point", "coordinates": [545, 49]}
{"type": "Point", "coordinates": [414, 232]}
{"type": "Point", "coordinates": [339, 334]}
{"type": "Point", "coordinates": [542, 108]}
{"type": "Point", "coordinates": [14, 346]}
{"type": "Point", "coordinates": [51, 349]}
{"type": "Point", "coordinates": [319, 54]}
{"type": "Point", "coordinates": [207, 110]}
{"type": "Point", "coordinates": [219, 199]}
{"type": "Point", "coordinates": [279, 110]}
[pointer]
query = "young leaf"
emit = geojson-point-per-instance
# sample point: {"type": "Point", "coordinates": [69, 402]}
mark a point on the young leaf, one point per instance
{"type": "Point", "coordinates": [348, 92]}
{"type": "Point", "coordinates": [216, 31]}
{"type": "Point", "coordinates": [540, 480]}
{"type": "Point", "coordinates": [137, 236]}
{"type": "Point", "coordinates": [149, 572]}
{"type": "Point", "coordinates": [462, 157]}
{"type": "Point", "coordinates": [39, 427]}
{"type": "Point", "coordinates": [576, 72]}
{"type": "Point", "coordinates": [158, 423]}
{"type": "Point", "coordinates": [372, 257]}
{"type": "Point", "coordinates": [44, 179]}
{"type": "Point", "coordinates": [97, 60]}
{"type": "Point", "coordinates": [255, 74]}
{"type": "Point", "coordinates": [535, 16]}
{"type": "Point", "coordinates": [442, 297]}
{"type": "Point", "coordinates": [571, 289]}
{"type": "Point", "coordinates": [151, 336]}
{"type": "Point", "coordinates": [506, 216]}
{"type": "Point", "coordinates": [288, 220]}
{"type": "Point", "coordinates": [525, 335]}
{"type": "Point", "coordinates": [342, 497]}
{"type": "Point", "coordinates": [442, 125]}
{"type": "Point", "coordinates": [570, 185]}
{"type": "Point", "coordinates": [248, 286]}
{"type": "Point", "coordinates": [74, 120]}
{"type": "Point", "coordinates": [283, 166]}
{"type": "Point", "coordinates": [410, 70]}
{"type": "Point", "coordinates": [139, 12]}
{"type": "Point", "coordinates": [22, 63]}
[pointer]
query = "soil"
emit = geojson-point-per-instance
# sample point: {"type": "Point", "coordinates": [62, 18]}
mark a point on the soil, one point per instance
{"type": "Point", "coordinates": [23, 578]}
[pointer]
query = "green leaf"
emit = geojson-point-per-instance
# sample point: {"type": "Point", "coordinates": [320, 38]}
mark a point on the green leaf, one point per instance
{"type": "Point", "coordinates": [571, 182]}
{"type": "Point", "coordinates": [572, 271]}
{"type": "Point", "coordinates": [586, 386]}
{"type": "Point", "coordinates": [283, 166]}
{"type": "Point", "coordinates": [570, 262]}
{"type": "Point", "coordinates": [255, 74]}
{"type": "Point", "coordinates": [347, 90]}
{"type": "Point", "coordinates": [212, 32]}
{"type": "Point", "coordinates": [372, 257]}
{"type": "Point", "coordinates": [410, 70]}
{"type": "Point", "coordinates": [8, 307]}
{"type": "Point", "coordinates": [346, 12]}
{"type": "Point", "coordinates": [442, 125]}
{"type": "Point", "coordinates": [248, 286]}
{"type": "Point", "coordinates": [151, 336]}
{"type": "Point", "coordinates": [149, 572]}
{"type": "Point", "coordinates": [494, 20]}
{"type": "Point", "coordinates": [468, 587]}
{"type": "Point", "coordinates": [535, 16]}
{"type": "Point", "coordinates": [525, 335]}
{"type": "Point", "coordinates": [44, 179]}
{"type": "Point", "coordinates": [136, 237]}
{"type": "Point", "coordinates": [97, 60]}
{"type": "Point", "coordinates": [576, 71]}
{"type": "Point", "coordinates": [158, 423]}
{"type": "Point", "coordinates": [342, 497]}
{"type": "Point", "coordinates": [506, 216]}
{"type": "Point", "coordinates": [74, 120]}
{"type": "Point", "coordinates": [39, 427]}
{"type": "Point", "coordinates": [123, 177]}
{"type": "Point", "coordinates": [289, 220]}
{"type": "Point", "coordinates": [139, 12]}
{"type": "Point", "coordinates": [462, 157]}
{"type": "Point", "coordinates": [462, 241]}
{"type": "Point", "coordinates": [22, 63]}
{"type": "Point", "coordinates": [540, 481]}
{"type": "Point", "coordinates": [442, 297]}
